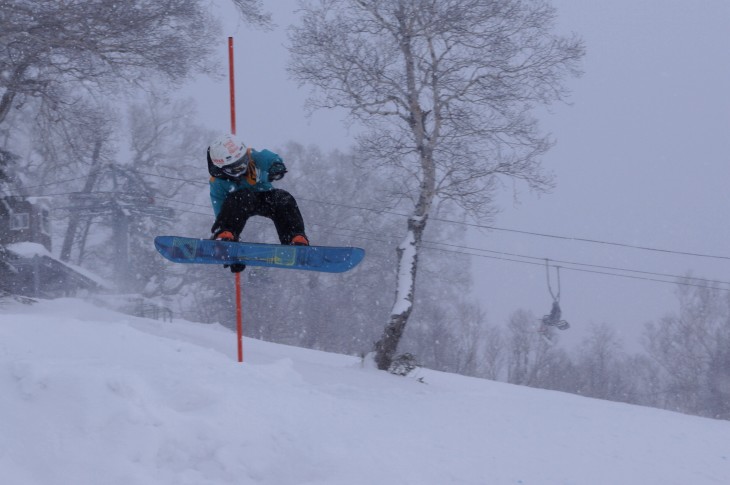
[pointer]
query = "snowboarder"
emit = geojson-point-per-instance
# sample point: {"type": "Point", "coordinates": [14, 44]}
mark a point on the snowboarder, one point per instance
{"type": "Point", "coordinates": [240, 187]}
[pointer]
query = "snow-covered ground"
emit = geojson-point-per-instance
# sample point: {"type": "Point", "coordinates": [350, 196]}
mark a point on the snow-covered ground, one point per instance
{"type": "Point", "coordinates": [93, 397]}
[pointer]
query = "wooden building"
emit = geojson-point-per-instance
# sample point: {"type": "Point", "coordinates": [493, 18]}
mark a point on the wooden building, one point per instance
{"type": "Point", "coordinates": [25, 220]}
{"type": "Point", "coordinates": [28, 268]}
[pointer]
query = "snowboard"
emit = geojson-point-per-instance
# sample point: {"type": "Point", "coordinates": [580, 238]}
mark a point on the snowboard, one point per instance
{"type": "Point", "coordinates": [329, 259]}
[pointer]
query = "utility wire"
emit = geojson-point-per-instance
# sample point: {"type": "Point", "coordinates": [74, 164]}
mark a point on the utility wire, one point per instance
{"type": "Point", "coordinates": [197, 182]}
{"type": "Point", "coordinates": [429, 245]}
{"type": "Point", "coordinates": [594, 241]}
{"type": "Point", "coordinates": [613, 268]}
{"type": "Point", "coordinates": [530, 233]}
{"type": "Point", "coordinates": [680, 281]}
{"type": "Point", "coordinates": [485, 226]}
{"type": "Point", "coordinates": [467, 248]}
{"type": "Point", "coordinates": [510, 257]}
{"type": "Point", "coordinates": [48, 184]}
{"type": "Point", "coordinates": [475, 225]}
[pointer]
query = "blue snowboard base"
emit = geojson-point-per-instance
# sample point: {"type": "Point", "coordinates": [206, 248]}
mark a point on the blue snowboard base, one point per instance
{"type": "Point", "coordinates": [329, 259]}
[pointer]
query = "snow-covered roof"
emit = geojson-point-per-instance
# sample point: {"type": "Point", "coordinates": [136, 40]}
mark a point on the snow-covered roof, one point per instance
{"type": "Point", "coordinates": [28, 249]}
{"type": "Point", "coordinates": [31, 249]}
{"type": "Point", "coordinates": [40, 201]}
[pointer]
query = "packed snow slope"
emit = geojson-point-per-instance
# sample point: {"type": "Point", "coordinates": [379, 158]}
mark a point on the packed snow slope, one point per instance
{"type": "Point", "coordinates": [93, 397]}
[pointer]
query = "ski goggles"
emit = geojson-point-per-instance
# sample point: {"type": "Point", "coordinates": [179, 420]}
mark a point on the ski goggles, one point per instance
{"type": "Point", "coordinates": [237, 168]}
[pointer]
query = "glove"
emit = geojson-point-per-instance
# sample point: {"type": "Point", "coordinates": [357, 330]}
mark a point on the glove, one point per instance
{"type": "Point", "coordinates": [236, 267]}
{"type": "Point", "coordinates": [277, 171]}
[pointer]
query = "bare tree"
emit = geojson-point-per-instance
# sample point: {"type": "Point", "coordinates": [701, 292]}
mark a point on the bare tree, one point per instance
{"type": "Point", "coordinates": [79, 148]}
{"type": "Point", "coordinates": [645, 378]}
{"type": "Point", "coordinates": [601, 367]}
{"type": "Point", "coordinates": [528, 354]}
{"type": "Point", "coordinates": [166, 142]}
{"type": "Point", "coordinates": [493, 353]}
{"type": "Point", "coordinates": [334, 313]}
{"type": "Point", "coordinates": [50, 49]}
{"type": "Point", "coordinates": [448, 333]}
{"type": "Point", "coordinates": [445, 90]}
{"type": "Point", "coordinates": [7, 158]}
{"type": "Point", "coordinates": [691, 347]}
{"type": "Point", "coordinates": [470, 321]}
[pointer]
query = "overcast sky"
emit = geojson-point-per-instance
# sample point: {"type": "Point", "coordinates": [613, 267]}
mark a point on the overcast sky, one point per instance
{"type": "Point", "coordinates": [643, 157]}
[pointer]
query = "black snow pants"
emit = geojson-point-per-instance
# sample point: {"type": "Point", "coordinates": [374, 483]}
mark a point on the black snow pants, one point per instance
{"type": "Point", "coordinates": [276, 204]}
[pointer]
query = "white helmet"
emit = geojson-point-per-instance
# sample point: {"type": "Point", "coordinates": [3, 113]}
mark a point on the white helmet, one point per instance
{"type": "Point", "coordinates": [228, 153]}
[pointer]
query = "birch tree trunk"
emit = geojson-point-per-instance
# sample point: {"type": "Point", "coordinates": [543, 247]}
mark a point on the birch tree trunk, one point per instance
{"type": "Point", "coordinates": [407, 251]}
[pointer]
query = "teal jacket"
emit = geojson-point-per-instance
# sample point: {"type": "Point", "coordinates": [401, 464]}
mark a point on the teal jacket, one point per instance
{"type": "Point", "coordinates": [257, 177]}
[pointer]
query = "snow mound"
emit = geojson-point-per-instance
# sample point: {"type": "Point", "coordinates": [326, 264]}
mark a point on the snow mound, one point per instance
{"type": "Point", "coordinates": [89, 396]}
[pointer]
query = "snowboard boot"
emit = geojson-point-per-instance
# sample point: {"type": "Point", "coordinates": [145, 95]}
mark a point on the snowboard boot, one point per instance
{"type": "Point", "coordinates": [224, 235]}
{"type": "Point", "coordinates": [299, 240]}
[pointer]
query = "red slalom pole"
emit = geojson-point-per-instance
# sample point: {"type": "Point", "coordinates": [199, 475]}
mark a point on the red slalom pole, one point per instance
{"type": "Point", "coordinates": [239, 317]}
{"type": "Point", "coordinates": [232, 85]}
{"type": "Point", "coordinates": [239, 304]}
